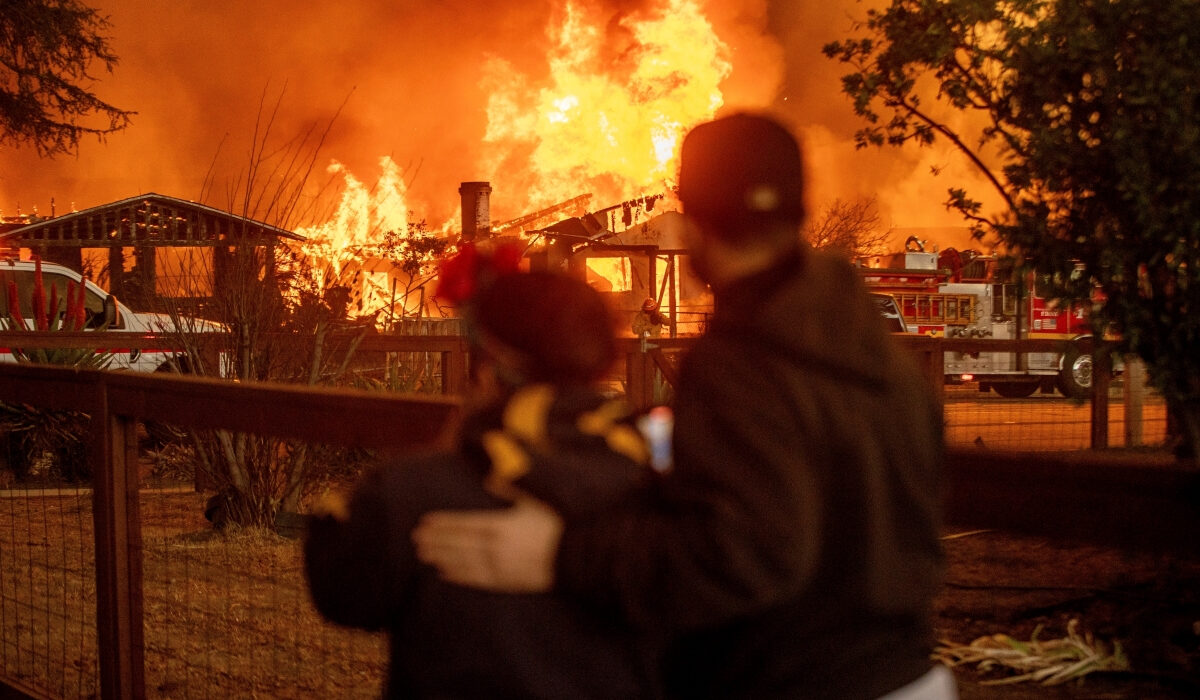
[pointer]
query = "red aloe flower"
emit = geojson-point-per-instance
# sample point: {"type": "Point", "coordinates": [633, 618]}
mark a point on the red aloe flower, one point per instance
{"type": "Point", "coordinates": [52, 310]}
{"type": "Point", "coordinates": [69, 316]}
{"type": "Point", "coordinates": [14, 307]}
{"type": "Point", "coordinates": [39, 299]}
{"type": "Point", "coordinates": [80, 317]}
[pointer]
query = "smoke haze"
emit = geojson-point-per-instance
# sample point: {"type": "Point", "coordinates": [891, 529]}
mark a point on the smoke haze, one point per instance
{"type": "Point", "coordinates": [408, 78]}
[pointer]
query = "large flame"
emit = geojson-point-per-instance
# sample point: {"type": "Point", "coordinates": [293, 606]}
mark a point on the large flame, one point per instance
{"type": "Point", "coordinates": [418, 91]}
{"type": "Point", "coordinates": [363, 214]}
{"type": "Point", "coordinates": [348, 250]}
{"type": "Point", "coordinates": [610, 120]}
{"type": "Point", "coordinates": [607, 121]}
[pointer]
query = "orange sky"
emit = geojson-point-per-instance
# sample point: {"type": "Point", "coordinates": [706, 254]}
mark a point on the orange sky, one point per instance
{"type": "Point", "coordinates": [409, 72]}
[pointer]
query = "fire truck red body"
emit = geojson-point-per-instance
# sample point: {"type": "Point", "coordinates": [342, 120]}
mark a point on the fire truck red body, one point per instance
{"type": "Point", "coordinates": [959, 295]}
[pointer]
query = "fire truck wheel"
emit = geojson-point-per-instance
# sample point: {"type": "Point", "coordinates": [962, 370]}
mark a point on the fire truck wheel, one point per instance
{"type": "Point", "coordinates": [1075, 379]}
{"type": "Point", "coordinates": [1015, 390]}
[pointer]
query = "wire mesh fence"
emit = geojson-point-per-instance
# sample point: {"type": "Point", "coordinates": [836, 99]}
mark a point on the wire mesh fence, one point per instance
{"type": "Point", "coordinates": [226, 612]}
{"type": "Point", "coordinates": [215, 612]}
{"type": "Point", "coordinates": [48, 590]}
{"type": "Point", "coordinates": [1049, 421]}
{"type": "Point", "coordinates": [975, 415]}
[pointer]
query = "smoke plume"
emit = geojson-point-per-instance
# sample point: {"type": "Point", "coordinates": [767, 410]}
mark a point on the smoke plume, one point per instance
{"type": "Point", "coordinates": [412, 80]}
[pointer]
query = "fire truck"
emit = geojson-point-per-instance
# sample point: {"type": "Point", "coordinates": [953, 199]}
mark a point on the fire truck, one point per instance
{"type": "Point", "coordinates": [961, 294]}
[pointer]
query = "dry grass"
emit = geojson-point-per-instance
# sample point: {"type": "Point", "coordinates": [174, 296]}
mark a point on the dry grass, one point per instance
{"type": "Point", "coordinates": [226, 615]}
{"type": "Point", "coordinates": [1048, 661]}
{"type": "Point", "coordinates": [1040, 609]}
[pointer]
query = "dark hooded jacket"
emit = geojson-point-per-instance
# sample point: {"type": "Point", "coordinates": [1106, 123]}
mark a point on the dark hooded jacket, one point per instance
{"type": "Point", "coordinates": [793, 551]}
{"type": "Point", "coordinates": [453, 642]}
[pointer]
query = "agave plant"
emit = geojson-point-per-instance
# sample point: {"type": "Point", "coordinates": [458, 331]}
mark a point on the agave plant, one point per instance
{"type": "Point", "coordinates": [49, 315]}
{"type": "Point", "coordinates": [45, 442]}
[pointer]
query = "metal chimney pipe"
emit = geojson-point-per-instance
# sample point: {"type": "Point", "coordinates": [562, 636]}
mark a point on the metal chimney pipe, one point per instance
{"type": "Point", "coordinates": [476, 215]}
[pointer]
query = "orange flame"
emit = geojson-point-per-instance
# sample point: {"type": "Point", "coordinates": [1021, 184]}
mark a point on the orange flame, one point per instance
{"type": "Point", "coordinates": [362, 214]}
{"type": "Point", "coordinates": [608, 123]}
{"type": "Point", "coordinates": [345, 249]}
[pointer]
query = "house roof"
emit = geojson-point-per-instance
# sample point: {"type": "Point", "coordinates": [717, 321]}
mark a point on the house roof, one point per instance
{"type": "Point", "coordinates": [149, 219]}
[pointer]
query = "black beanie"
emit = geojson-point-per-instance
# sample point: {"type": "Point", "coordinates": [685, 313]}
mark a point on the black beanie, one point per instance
{"type": "Point", "coordinates": [741, 172]}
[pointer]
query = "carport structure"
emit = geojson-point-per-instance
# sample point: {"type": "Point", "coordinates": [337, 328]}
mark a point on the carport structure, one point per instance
{"type": "Point", "coordinates": [152, 251]}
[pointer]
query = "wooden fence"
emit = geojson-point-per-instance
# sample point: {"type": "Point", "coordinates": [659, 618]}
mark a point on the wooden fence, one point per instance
{"type": "Point", "coordinates": [646, 361]}
{"type": "Point", "coordinates": [1141, 502]}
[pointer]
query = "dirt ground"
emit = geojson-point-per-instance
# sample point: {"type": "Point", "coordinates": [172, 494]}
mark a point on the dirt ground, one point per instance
{"type": "Point", "coordinates": [1016, 586]}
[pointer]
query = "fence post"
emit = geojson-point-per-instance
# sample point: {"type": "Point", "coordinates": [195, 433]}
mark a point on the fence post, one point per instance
{"type": "Point", "coordinates": [1135, 394]}
{"type": "Point", "coordinates": [1101, 380]}
{"type": "Point", "coordinates": [664, 367]}
{"type": "Point", "coordinates": [118, 533]}
{"type": "Point", "coordinates": [454, 369]}
{"type": "Point", "coordinates": [935, 363]}
{"type": "Point", "coordinates": [639, 386]}
{"type": "Point", "coordinates": [931, 356]}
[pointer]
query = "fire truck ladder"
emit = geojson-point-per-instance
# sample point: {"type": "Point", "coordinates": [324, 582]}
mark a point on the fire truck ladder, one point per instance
{"type": "Point", "coordinates": [936, 308]}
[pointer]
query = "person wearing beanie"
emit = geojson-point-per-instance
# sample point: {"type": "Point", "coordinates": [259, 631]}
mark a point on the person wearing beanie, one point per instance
{"type": "Point", "coordinates": [793, 550]}
{"type": "Point", "coordinates": [539, 342]}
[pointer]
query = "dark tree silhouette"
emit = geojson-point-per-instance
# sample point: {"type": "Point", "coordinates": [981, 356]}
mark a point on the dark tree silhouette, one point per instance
{"type": "Point", "coordinates": [1084, 115]}
{"type": "Point", "coordinates": [851, 227]}
{"type": "Point", "coordinates": [48, 49]}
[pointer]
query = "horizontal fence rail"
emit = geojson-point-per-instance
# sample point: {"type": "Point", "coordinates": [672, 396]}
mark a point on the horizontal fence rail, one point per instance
{"type": "Point", "coordinates": [650, 366]}
{"type": "Point", "coordinates": [115, 400]}
{"type": "Point", "coordinates": [1141, 501]}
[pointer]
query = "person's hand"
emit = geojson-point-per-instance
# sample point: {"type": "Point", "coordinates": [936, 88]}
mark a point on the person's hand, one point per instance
{"type": "Point", "coordinates": [508, 551]}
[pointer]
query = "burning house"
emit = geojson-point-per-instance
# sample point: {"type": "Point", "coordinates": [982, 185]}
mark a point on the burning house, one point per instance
{"type": "Point", "coordinates": [602, 110]}
{"type": "Point", "coordinates": [625, 251]}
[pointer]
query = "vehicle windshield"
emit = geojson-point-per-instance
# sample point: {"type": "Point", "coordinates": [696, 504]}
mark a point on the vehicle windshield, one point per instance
{"type": "Point", "coordinates": [890, 312]}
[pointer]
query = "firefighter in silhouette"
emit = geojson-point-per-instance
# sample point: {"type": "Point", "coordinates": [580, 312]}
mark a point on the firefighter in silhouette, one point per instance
{"type": "Point", "coordinates": [649, 321]}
